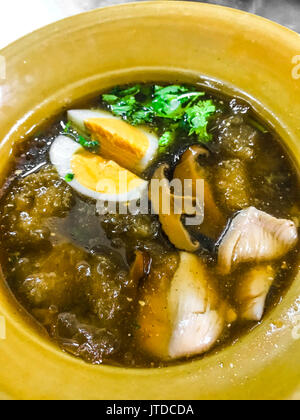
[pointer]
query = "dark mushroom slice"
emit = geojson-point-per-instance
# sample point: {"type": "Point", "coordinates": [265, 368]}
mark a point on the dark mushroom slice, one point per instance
{"type": "Point", "coordinates": [181, 312]}
{"type": "Point", "coordinates": [171, 222]}
{"type": "Point", "coordinates": [255, 236]}
{"type": "Point", "coordinates": [190, 169]}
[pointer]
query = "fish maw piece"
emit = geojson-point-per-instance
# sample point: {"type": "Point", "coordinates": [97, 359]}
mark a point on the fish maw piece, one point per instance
{"type": "Point", "coordinates": [197, 313]}
{"type": "Point", "coordinates": [232, 184]}
{"type": "Point", "coordinates": [255, 236]}
{"type": "Point", "coordinates": [54, 279]}
{"type": "Point", "coordinates": [236, 138]}
{"type": "Point", "coordinates": [252, 291]}
{"type": "Point", "coordinates": [183, 315]}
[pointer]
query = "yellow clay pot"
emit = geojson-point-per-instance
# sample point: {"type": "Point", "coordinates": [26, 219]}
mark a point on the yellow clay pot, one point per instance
{"type": "Point", "coordinates": [57, 65]}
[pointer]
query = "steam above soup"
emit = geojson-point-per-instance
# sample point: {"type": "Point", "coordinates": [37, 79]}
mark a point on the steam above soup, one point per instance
{"type": "Point", "coordinates": [150, 286]}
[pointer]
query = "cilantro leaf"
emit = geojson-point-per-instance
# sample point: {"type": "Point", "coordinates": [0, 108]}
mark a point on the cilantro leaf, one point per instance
{"type": "Point", "coordinates": [197, 118]}
{"type": "Point", "coordinates": [142, 116]}
{"type": "Point", "coordinates": [131, 91]}
{"type": "Point", "coordinates": [67, 127]}
{"type": "Point", "coordinates": [167, 139]}
{"type": "Point", "coordinates": [172, 89]}
{"type": "Point", "coordinates": [90, 145]}
{"type": "Point", "coordinates": [110, 99]}
{"type": "Point", "coordinates": [169, 102]}
{"type": "Point", "coordinates": [69, 177]}
{"type": "Point", "coordinates": [173, 106]}
{"type": "Point", "coordinates": [123, 103]}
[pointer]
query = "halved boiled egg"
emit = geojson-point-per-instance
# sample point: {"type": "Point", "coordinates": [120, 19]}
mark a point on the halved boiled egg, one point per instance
{"type": "Point", "coordinates": [94, 176]}
{"type": "Point", "coordinates": [134, 148]}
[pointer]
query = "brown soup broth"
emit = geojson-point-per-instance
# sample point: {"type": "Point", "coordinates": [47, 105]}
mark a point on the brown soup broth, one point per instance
{"type": "Point", "coordinates": [67, 266]}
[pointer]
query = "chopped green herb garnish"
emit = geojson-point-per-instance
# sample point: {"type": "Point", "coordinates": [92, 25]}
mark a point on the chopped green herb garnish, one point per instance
{"type": "Point", "coordinates": [69, 177]}
{"type": "Point", "coordinates": [123, 103]}
{"type": "Point", "coordinates": [67, 127]}
{"type": "Point", "coordinates": [197, 118]}
{"type": "Point", "coordinates": [180, 106]}
{"type": "Point", "coordinates": [170, 102]}
{"type": "Point", "coordinates": [166, 139]}
{"type": "Point", "coordinates": [90, 145]}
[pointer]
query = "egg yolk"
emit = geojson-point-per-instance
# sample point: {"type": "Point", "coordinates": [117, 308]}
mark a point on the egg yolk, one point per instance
{"type": "Point", "coordinates": [101, 175]}
{"type": "Point", "coordinates": [119, 141]}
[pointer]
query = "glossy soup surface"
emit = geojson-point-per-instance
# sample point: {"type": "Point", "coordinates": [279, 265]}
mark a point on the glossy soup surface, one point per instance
{"type": "Point", "coordinates": [70, 267]}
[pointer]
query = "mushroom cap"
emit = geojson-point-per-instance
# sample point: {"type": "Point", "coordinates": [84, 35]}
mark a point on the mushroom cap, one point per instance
{"type": "Point", "coordinates": [190, 169]}
{"type": "Point", "coordinates": [170, 221]}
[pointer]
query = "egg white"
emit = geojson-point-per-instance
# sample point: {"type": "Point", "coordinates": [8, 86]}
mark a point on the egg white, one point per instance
{"type": "Point", "coordinates": [79, 116]}
{"type": "Point", "coordinates": [61, 154]}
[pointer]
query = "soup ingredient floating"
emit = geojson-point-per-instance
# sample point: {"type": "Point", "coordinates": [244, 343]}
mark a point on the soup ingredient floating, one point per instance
{"type": "Point", "coordinates": [252, 291]}
{"type": "Point", "coordinates": [171, 221]}
{"type": "Point", "coordinates": [131, 147]}
{"type": "Point", "coordinates": [189, 167]}
{"type": "Point", "coordinates": [183, 316]}
{"type": "Point", "coordinates": [145, 290]}
{"type": "Point", "coordinates": [255, 236]}
{"type": "Point", "coordinates": [92, 175]}
{"type": "Point", "coordinates": [179, 107]}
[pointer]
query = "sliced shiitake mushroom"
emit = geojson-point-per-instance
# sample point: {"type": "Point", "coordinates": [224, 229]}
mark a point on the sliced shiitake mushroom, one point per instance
{"type": "Point", "coordinates": [190, 169]}
{"type": "Point", "coordinates": [172, 223]}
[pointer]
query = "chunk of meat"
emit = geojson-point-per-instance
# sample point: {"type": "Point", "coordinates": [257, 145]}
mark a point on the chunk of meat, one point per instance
{"type": "Point", "coordinates": [236, 138]}
{"type": "Point", "coordinates": [255, 236]}
{"type": "Point", "coordinates": [232, 185]}
{"type": "Point", "coordinates": [252, 291]}
{"type": "Point", "coordinates": [182, 315]}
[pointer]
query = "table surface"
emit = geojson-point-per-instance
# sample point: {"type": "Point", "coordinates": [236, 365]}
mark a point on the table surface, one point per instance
{"type": "Point", "coordinates": [18, 17]}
